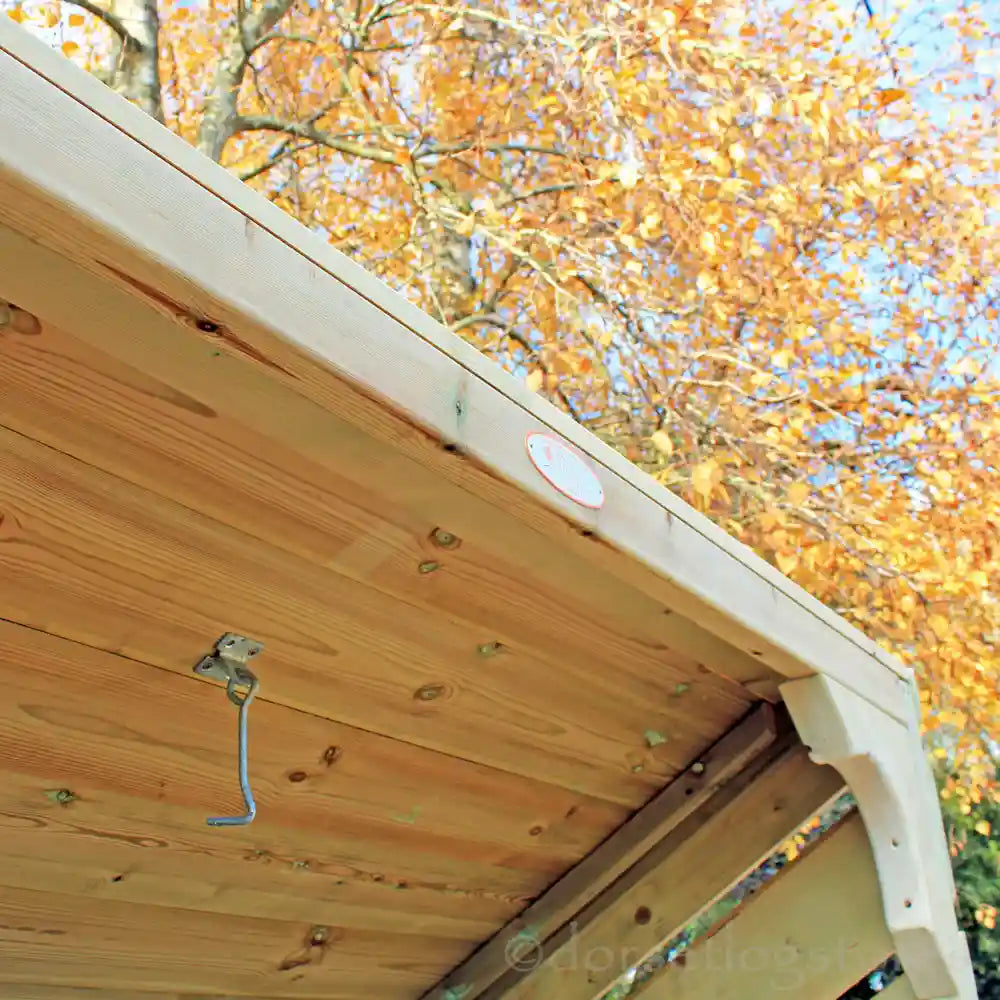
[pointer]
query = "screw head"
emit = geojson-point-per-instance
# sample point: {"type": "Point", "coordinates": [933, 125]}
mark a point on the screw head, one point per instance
{"type": "Point", "coordinates": [489, 648]}
{"type": "Point", "coordinates": [445, 539]}
{"type": "Point", "coordinates": [697, 767]}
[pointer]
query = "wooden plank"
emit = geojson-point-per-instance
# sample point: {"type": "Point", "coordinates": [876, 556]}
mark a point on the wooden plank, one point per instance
{"type": "Point", "coordinates": [617, 854]}
{"type": "Point", "coordinates": [52, 939]}
{"type": "Point", "coordinates": [108, 728]}
{"type": "Point", "coordinates": [691, 868]}
{"type": "Point", "coordinates": [169, 878]}
{"type": "Point", "coordinates": [811, 933]}
{"type": "Point", "coordinates": [198, 256]}
{"type": "Point", "coordinates": [34, 991]}
{"type": "Point", "coordinates": [157, 582]}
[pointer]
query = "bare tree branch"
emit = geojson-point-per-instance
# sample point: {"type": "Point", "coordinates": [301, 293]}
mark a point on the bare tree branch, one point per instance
{"type": "Point", "coordinates": [111, 20]}
{"type": "Point", "coordinates": [219, 122]}
{"type": "Point", "coordinates": [278, 36]}
{"type": "Point", "coordinates": [284, 150]}
{"type": "Point", "coordinates": [132, 69]}
{"type": "Point", "coordinates": [306, 130]}
{"type": "Point", "coordinates": [449, 148]}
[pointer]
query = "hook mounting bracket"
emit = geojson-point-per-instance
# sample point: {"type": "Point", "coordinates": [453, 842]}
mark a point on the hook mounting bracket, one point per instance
{"type": "Point", "coordinates": [228, 663]}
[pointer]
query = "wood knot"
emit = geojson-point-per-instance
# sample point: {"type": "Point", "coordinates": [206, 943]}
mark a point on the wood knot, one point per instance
{"type": "Point", "coordinates": [18, 320]}
{"type": "Point", "coordinates": [430, 692]}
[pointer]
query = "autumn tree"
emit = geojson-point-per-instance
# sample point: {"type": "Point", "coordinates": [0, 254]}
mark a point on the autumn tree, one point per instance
{"type": "Point", "coordinates": [752, 245]}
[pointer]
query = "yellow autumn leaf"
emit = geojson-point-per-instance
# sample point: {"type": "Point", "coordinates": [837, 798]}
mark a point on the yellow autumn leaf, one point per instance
{"type": "Point", "coordinates": [69, 48]}
{"type": "Point", "coordinates": [75, 20]}
{"type": "Point", "coordinates": [782, 359]}
{"type": "Point", "coordinates": [533, 380]}
{"type": "Point", "coordinates": [939, 626]}
{"type": "Point", "coordinates": [966, 365]}
{"type": "Point", "coordinates": [16, 13]}
{"type": "Point", "coordinates": [787, 562]}
{"type": "Point", "coordinates": [662, 442]}
{"type": "Point", "coordinates": [706, 282]}
{"type": "Point", "coordinates": [708, 243]}
{"type": "Point", "coordinates": [798, 494]}
{"type": "Point", "coordinates": [889, 96]}
{"type": "Point", "coordinates": [983, 827]}
{"type": "Point", "coordinates": [628, 175]}
{"type": "Point", "coordinates": [705, 476]}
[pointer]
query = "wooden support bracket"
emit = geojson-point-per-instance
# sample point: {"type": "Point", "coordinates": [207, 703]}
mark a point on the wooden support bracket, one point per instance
{"type": "Point", "coordinates": [883, 762]}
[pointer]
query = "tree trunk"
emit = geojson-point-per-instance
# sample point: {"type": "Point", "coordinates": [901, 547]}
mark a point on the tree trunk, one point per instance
{"type": "Point", "coordinates": [134, 70]}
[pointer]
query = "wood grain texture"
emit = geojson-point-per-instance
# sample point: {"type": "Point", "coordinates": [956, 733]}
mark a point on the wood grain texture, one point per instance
{"type": "Point", "coordinates": [616, 855]}
{"type": "Point", "coordinates": [112, 730]}
{"type": "Point", "coordinates": [811, 933]}
{"type": "Point", "coordinates": [357, 514]}
{"type": "Point", "coordinates": [657, 545]}
{"type": "Point", "coordinates": [691, 868]}
{"type": "Point", "coordinates": [34, 991]}
{"type": "Point", "coordinates": [48, 938]}
{"type": "Point", "coordinates": [529, 695]}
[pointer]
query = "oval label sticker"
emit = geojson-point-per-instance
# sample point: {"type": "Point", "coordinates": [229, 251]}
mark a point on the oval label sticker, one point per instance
{"type": "Point", "coordinates": [564, 469]}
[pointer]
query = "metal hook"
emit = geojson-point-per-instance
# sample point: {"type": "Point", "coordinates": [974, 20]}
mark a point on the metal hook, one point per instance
{"type": "Point", "coordinates": [228, 663]}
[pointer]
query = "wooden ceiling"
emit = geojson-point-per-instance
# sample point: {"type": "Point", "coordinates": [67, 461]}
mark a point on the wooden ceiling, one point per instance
{"type": "Point", "coordinates": [442, 729]}
{"type": "Point", "coordinates": [465, 688]}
